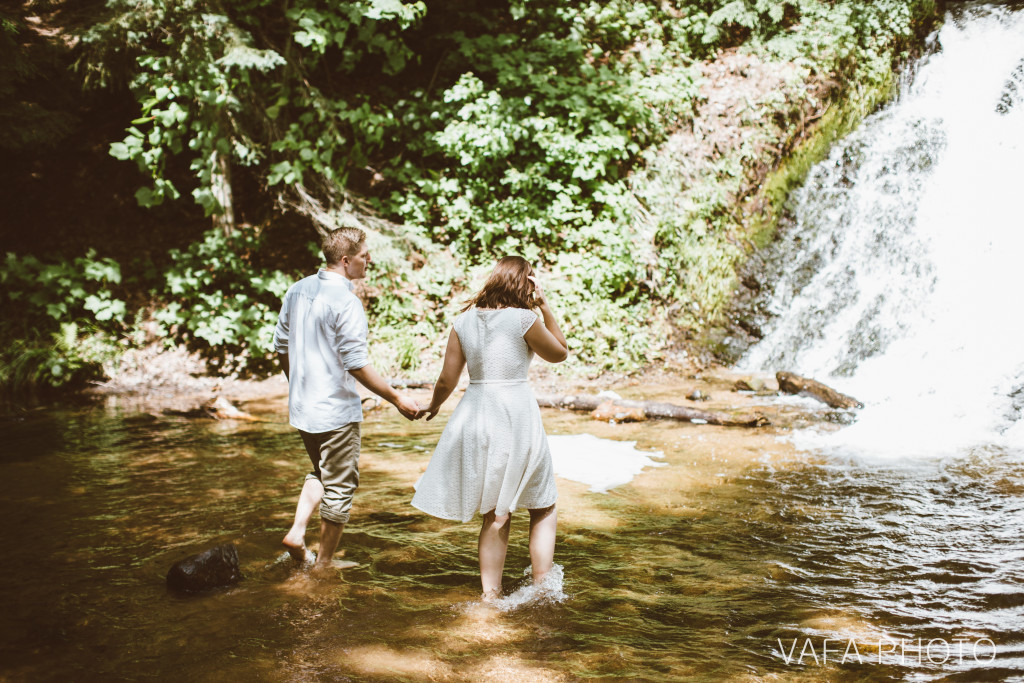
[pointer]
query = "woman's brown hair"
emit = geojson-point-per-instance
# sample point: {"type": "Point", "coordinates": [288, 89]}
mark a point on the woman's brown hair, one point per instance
{"type": "Point", "coordinates": [507, 286]}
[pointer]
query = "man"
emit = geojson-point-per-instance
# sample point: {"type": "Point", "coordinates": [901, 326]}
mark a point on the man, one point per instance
{"type": "Point", "coordinates": [321, 343]}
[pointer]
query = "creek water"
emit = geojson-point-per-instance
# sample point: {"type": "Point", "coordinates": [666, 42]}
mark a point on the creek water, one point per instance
{"type": "Point", "coordinates": [707, 568]}
{"type": "Point", "coordinates": [744, 557]}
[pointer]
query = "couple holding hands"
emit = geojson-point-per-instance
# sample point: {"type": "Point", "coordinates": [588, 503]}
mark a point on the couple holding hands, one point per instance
{"type": "Point", "coordinates": [492, 457]}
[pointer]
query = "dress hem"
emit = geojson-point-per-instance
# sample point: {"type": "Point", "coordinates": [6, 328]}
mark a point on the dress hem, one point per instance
{"type": "Point", "coordinates": [479, 512]}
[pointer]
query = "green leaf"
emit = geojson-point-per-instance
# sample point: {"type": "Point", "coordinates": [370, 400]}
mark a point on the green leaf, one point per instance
{"type": "Point", "coordinates": [119, 150]}
{"type": "Point", "coordinates": [147, 198]}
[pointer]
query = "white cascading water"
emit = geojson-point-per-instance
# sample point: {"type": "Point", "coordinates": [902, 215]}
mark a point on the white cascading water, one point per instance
{"type": "Point", "coordinates": [905, 266]}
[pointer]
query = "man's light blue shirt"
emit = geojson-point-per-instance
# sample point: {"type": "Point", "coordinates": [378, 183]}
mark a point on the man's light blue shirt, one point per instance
{"type": "Point", "coordinates": [322, 328]}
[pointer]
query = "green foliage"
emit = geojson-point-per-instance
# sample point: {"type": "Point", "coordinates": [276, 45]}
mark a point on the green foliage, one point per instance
{"type": "Point", "coordinates": [220, 300]}
{"type": "Point", "coordinates": [539, 134]}
{"type": "Point", "coordinates": [700, 231]}
{"type": "Point", "coordinates": [219, 84]}
{"type": "Point", "coordinates": [526, 126]}
{"type": "Point", "coordinates": [193, 80]}
{"type": "Point", "coordinates": [856, 41]}
{"type": "Point", "coordinates": [61, 321]}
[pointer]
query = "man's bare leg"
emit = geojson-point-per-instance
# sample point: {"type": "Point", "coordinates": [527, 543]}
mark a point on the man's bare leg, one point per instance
{"type": "Point", "coordinates": [330, 536]}
{"type": "Point", "coordinates": [309, 500]}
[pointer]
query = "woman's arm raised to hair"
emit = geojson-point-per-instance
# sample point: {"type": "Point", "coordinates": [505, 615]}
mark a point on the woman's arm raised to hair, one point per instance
{"type": "Point", "coordinates": [546, 339]}
{"type": "Point", "coordinates": [454, 361]}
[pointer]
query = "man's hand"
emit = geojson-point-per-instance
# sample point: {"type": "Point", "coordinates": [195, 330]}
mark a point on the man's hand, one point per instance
{"type": "Point", "coordinates": [369, 378]}
{"type": "Point", "coordinates": [409, 408]}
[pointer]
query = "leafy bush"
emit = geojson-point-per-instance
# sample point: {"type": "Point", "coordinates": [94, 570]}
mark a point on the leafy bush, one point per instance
{"type": "Point", "coordinates": [61, 321]}
{"type": "Point", "coordinates": [218, 299]}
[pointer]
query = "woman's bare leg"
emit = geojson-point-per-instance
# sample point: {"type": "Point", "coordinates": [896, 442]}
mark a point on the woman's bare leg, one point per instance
{"type": "Point", "coordinates": [492, 546]}
{"type": "Point", "coordinates": [543, 523]}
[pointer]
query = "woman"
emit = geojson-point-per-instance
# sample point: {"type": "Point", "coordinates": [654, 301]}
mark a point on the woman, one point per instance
{"type": "Point", "coordinates": [493, 455]}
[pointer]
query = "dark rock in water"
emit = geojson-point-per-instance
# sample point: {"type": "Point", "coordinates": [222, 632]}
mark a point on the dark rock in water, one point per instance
{"type": "Point", "coordinates": [213, 568]}
{"type": "Point", "coordinates": [1013, 91]}
{"type": "Point", "coordinates": [698, 395]}
{"type": "Point", "coordinates": [750, 328]}
{"type": "Point", "coordinates": [840, 417]}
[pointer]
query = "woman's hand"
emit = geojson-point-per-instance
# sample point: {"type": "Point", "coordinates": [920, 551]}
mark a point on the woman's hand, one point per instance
{"type": "Point", "coordinates": [429, 412]}
{"type": "Point", "coordinates": [538, 291]}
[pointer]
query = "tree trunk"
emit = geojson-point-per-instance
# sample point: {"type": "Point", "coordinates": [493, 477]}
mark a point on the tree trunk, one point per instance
{"type": "Point", "coordinates": [220, 186]}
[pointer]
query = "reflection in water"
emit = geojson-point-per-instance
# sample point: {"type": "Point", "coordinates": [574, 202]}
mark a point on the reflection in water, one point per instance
{"type": "Point", "coordinates": [603, 464]}
{"type": "Point", "coordinates": [694, 570]}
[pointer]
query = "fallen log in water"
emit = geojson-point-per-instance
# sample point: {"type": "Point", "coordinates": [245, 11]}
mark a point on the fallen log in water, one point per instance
{"type": "Point", "coordinates": [410, 384]}
{"type": "Point", "coordinates": [795, 384]}
{"type": "Point", "coordinates": [654, 409]}
{"type": "Point", "coordinates": [218, 408]}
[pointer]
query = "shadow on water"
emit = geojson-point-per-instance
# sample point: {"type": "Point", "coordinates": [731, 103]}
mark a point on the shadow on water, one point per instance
{"type": "Point", "coordinates": [698, 570]}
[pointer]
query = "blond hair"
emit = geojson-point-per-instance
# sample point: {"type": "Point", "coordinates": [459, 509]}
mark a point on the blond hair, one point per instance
{"type": "Point", "coordinates": [340, 243]}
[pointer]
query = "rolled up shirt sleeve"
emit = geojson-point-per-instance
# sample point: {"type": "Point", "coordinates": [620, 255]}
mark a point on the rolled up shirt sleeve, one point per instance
{"type": "Point", "coordinates": [352, 331]}
{"type": "Point", "coordinates": [281, 331]}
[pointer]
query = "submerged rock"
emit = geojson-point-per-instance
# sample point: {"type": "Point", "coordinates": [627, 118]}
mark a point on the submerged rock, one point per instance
{"type": "Point", "coordinates": [750, 384]}
{"type": "Point", "coordinates": [213, 568]}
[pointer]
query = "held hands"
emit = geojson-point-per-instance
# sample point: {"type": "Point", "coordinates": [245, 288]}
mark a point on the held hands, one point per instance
{"type": "Point", "coordinates": [409, 408]}
{"type": "Point", "coordinates": [429, 412]}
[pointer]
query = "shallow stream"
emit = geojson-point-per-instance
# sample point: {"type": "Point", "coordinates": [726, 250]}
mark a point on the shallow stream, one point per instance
{"type": "Point", "coordinates": [709, 568]}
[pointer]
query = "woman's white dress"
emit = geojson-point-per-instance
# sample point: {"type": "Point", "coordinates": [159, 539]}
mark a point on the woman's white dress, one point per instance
{"type": "Point", "coordinates": [493, 453]}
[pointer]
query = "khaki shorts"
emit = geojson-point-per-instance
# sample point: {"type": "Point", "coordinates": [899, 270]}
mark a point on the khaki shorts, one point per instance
{"type": "Point", "coordinates": [335, 458]}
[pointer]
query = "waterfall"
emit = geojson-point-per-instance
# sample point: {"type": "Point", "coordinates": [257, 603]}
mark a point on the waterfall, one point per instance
{"type": "Point", "coordinates": [904, 264]}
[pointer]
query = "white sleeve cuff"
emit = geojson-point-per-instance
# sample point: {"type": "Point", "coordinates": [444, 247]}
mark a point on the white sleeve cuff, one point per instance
{"type": "Point", "coordinates": [357, 360]}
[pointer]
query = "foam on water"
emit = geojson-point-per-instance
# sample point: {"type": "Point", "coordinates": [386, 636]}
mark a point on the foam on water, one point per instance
{"type": "Point", "coordinates": [603, 464]}
{"type": "Point", "coordinates": [548, 592]}
{"type": "Point", "coordinates": [903, 266]}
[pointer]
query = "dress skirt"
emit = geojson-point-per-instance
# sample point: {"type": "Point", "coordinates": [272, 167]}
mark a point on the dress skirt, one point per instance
{"type": "Point", "coordinates": [492, 455]}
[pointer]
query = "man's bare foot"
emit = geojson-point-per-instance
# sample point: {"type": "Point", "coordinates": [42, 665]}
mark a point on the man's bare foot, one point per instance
{"type": "Point", "coordinates": [295, 544]}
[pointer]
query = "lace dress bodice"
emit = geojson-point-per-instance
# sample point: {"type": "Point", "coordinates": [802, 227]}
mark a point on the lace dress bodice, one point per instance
{"type": "Point", "coordinates": [492, 341]}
